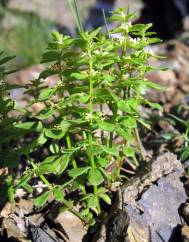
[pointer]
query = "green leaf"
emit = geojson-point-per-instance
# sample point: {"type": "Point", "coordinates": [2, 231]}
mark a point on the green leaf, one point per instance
{"type": "Point", "coordinates": [78, 183]}
{"type": "Point", "coordinates": [50, 56]}
{"type": "Point", "coordinates": [62, 162]}
{"type": "Point", "coordinates": [144, 123]}
{"type": "Point", "coordinates": [111, 151]}
{"type": "Point", "coordinates": [47, 166]}
{"type": "Point", "coordinates": [94, 150]}
{"type": "Point", "coordinates": [154, 105]}
{"type": "Point", "coordinates": [94, 33]}
{"type": "Point", "coordinates": [11, 192]}
{"type": "Point", "coordinates": [155, 86]}
{"type": "Point", "coordinates": [106, 126]}
{"type": "Point", "coordinates": [54, 164]}
{"type": "Point", "coordinates": [129, 122]}
{"type": "Point", "coordinates": [6, 59]}
{"type": "Point", "coordinates": [93, 202]}
{"type": "Point", "coordinates": [3, 194]}
{"type": "Point", "coordinates": [59, 132]}
{"type": "Point", "coordinates": [125, 133]}
{"type": "Point", "coordinates": [75, 172]}
{"type": "Point", "coordinates": [65, 125]}
{"type": "Point", "coordinates": [46, 73]}
{"type": "Point", "coordinates": [24, 179]}
{"type": "Point", "coordinates": [103, 162]}
{"type": "Point", "coordinates": [129, 151]}
{"type": "Point", "coordinates": [45, 94]}
{"type": "Point", "coordinates": [79, 76]}
{"type": "Point", "coordinates": [56, 36]}
{"type": "Point", "coordinates": [12, 159]}
{"type": "Point", "coordinates": [54, 148]}
{"type": "Point", "coordinates": [26, 125]}
{"type": "Point", "coordinates": [105, 198]}
{"type": "Point", "coordinates": [87, 196]}
{"type": "Point", "coordinates": [154, 40]}
{"type": "Point", "coordinates": [105, 94]}
{"type": "Point", "coordinates": [167, 136]}
{"type": "Point", "coordinates": [42, 199]}
{"type": "Point", "coordinates": [85, 212]}
{"type": "Point", "coordinates": [54, 133]}
{"type": "Point", "coordinates": [84, 98]}
{"type": "Point", "coordinates": [95, 177]}
{"type": "Point", "coordinates": [45, 114]}
{"type": "Point", "coordinates": [129, 106]}
{"type": "Point", "coordinates": [41, 140]}
{"type": "Point", "coordinates": [27, 187]}
{"type": "Point", "coordinates": [58, 194]}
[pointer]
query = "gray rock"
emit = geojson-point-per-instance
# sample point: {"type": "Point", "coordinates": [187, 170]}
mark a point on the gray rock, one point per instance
{"type": "Point", "coordinates": [185, 233]}
{"type": "Point", "coordinates": [160, 204]}
{"type": "Point", "coordinates": [72, 227]}
{"type": "Point", "coordinates": [149, 204]}
{"type": "Point", "coordinates": [40, 235]}
{"type": "Point", "coordinates": [149, 173]}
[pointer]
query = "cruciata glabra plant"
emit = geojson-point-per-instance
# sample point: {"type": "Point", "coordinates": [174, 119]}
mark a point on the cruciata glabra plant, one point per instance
{"type": "Point", "coordinates": [89, 120]}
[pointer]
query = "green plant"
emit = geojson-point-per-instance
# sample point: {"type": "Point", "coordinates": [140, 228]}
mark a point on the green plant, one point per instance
{"type": "Point", "coordinates": [95, 101]}
{"type": "Point", "coordinates": [183, 151]}
{"type": "Point", "coordinates": [8, 158]}
{"type": "Point", "coordinates": [27, 38]}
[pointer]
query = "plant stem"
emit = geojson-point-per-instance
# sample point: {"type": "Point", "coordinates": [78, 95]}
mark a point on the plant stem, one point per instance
{"type": "Point", "coordinates": [42, 177]}
{"type": "Point", "coordinates": [9, 182]}
{"type": "Point", "coordinates": [143, 151]}
{"type": "Point", "coordinates": [60, 67]}
{"type": "Point", "coordinates": [67, 136]}
{"type": "Point", "coordinates": [186, 142]}
{"type": "Point", "coordinates": [70, 147]}
{"type": "Point", "coordinates": [67, 204]}
{"type": "Point", "coordinates": [91, 112]}
{"type": "Point", "coordinates": [75, 13]}
{"type": "Point", "coordinates": [91, 106]}
{"type": "Point", "coordinates": [101, 132]}
{"type": "Point", "coordinates": [111, 139]}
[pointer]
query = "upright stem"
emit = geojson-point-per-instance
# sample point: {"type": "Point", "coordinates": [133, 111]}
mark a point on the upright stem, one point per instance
{"type": "Point", "coordinates": [101, 132]}
{"type": "Point", "coordinates": [91, 105]}
{"type": "Point", "coordinates": [143, 151]}
{"type": "Point", "coordinates": [186, 142]}
{"type": "Point", "coordinates": [111, 139]}
{"type": "Point", "coordinates": [9, 182]}
{"type": "Point", "coordinates": [91, 112]}
{"type": "Point", "coordinates": [68, 140]}
{"type": "Point", "coordinates": [69, 145]}
{"type": "Point", "coordinates": [60, 67]}
{"type": "Point", "coordinates": [42, 177]}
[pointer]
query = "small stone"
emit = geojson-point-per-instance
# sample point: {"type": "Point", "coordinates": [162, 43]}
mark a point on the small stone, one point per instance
{"type": "Point", "coordinates": [185, 212]}
{"type": "Point", "coordinates": [39, 235]}
{"type": "Point", "coordinates": [12, 229]}
{"type": "Point", "coordinates": [185, 233]}
{"type": "Point", "coordinates": [72, 226]}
